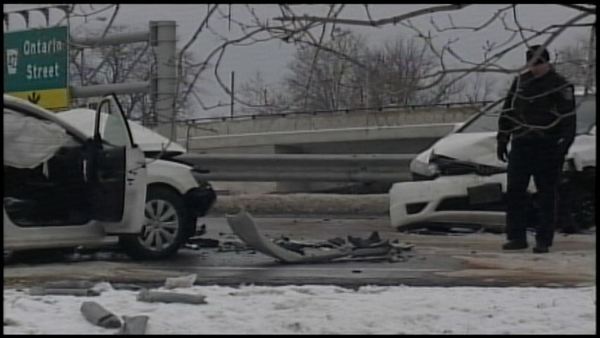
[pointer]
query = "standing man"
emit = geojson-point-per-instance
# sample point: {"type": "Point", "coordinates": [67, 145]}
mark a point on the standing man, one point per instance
{"type": "Point", "coordinates": [538, 118]}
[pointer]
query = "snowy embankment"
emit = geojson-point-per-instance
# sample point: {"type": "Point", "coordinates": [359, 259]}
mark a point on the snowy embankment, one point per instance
{"type": "Point", "coordinates": [320, 310]}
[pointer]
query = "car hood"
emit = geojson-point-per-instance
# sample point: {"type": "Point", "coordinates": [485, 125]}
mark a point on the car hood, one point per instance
{"type": "Point", "coordinates": [477, 148]}
{"type": "Point", "coordinates": [480, 148]}
{"type": "Point", "coordinates": [583, 152]}
{"type": "Point", "coordinates": [148, 140]}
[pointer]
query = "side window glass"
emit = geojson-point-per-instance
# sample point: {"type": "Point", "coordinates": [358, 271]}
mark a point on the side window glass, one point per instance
{"type": "Point", "coordinates": [586, 114]}
{"type": "Point", "coordinates": [113, 128]}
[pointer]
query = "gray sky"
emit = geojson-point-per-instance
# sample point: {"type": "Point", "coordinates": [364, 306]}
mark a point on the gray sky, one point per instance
{"type": "Point", "coordinates": [271, 58]}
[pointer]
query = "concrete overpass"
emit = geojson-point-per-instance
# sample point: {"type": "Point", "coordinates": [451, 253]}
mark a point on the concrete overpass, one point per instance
{"type": "Point", "coordinates": [388, 130]}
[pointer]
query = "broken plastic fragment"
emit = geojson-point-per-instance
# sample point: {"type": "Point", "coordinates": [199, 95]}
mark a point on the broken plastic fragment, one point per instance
{"type": "Point", "coordinates": [244, 227]}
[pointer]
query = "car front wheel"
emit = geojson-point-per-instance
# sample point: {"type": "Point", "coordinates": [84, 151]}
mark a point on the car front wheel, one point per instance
{"type": "Point", "coordinates": [165, 226]}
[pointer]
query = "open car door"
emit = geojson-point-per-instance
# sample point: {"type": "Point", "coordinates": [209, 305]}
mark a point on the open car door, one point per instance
{"type": "Point", "coordinates": [116, 171]}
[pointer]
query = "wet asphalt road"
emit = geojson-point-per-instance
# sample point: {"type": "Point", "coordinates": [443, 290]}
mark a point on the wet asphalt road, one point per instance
{"type": "Point", "coordinates": [435, 260]}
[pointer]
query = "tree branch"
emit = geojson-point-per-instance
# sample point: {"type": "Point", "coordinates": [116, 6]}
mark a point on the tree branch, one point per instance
{"type": "Point", "coordinates": [393, 20]}
{"type": "Point", "coordinates": [581, 8]}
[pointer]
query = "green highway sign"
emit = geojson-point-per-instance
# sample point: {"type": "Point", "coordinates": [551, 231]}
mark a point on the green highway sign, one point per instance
{"type": "Point", "coordinates": [36, 66]}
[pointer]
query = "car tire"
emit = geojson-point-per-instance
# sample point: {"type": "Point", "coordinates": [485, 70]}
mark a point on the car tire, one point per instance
{"type": "Point", "coordinates": [584, 210]}
{"type": "Point", "coordinates": [165, 226]}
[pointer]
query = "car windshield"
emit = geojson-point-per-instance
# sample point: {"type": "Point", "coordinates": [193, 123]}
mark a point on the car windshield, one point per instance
{"type": "Point", "coordinates": [488, 120]}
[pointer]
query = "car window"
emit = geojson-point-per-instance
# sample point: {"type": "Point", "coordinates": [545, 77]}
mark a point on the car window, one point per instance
{"type": "Point", "coordinates": [488, 120]}
{"type": "Point", "coordinates": [485, 121]}
{"type": "Point", "coordinates": [586, 114]}
{"type": "Point", "coordinates": [112, 127]}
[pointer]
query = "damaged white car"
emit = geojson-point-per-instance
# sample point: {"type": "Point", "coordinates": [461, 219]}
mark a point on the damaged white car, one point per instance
{"type": "Point", "coordinates": [50, 199]}
{"type": "Point", "coordinates": [176, 195]}
{"type": "Point", "coordinates": [459, 179]}
{"type": "Point", "coordinates": [63, 188]}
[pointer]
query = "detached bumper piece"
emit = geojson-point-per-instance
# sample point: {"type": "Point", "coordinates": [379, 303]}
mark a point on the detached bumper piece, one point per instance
{"type": "Point", "coordinates": [289, 251]}
{"type": "Point", "coordinates": [200, 200]}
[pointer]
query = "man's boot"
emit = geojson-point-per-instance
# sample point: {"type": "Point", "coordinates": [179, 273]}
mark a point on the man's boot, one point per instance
{"type": "Point", "coordinates": [540, 248]}
{"type": "Point", "coordinates": [514, 245]}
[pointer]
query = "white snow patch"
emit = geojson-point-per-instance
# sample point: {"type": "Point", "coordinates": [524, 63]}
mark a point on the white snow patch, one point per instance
{"type": "Point", "coordinates": [315, 309]}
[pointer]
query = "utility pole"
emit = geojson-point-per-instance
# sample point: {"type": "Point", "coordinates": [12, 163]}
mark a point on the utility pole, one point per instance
{"type": "Point", "coordinates": [164, 41]}
{"type": "Point", "coordinates": [232, 91]}
{"type": "Point", "coordinates": [265, 96]}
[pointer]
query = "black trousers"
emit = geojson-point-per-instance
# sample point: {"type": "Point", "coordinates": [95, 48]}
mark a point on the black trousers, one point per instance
{"type": "Point", "coordinates": [541, 159]}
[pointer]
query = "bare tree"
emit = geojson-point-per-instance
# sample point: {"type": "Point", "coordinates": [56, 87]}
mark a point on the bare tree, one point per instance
{"type": "Point", "coordinates": [346, 74]}
{"type": "Point", "coordinates": [452, 66]}
{"type": "Point", "coordinates": [119, 64]}
{"type": "Point", "coordinates": [253, 24]}
{"type": "Point", "coordinates": [325, 78]}
{"type": "Point", "coordinates": [577, 62]}
{"type": "Point", "coordinates": [262, 98]}
{"type": "Point", "coordinates": [478, 88]}
{"type": "Point", "coordinates": [398, 69]}
{"type": "Point", "coordinates": [112, 64]}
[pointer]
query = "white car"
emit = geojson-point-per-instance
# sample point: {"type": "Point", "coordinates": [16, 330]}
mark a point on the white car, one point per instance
{"type": "Point", "coordinates": [460, 180]}
{"type": "Point", "coordinates": [63, 188]}
{"type": "Point", "coordinates": [174, 196]}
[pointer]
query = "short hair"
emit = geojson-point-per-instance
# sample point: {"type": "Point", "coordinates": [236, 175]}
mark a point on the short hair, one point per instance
{"type": "Point", "coordinates": [542, 58]}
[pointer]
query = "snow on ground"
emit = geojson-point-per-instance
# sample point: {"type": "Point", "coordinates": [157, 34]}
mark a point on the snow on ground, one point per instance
{"type": "Point", "coordinates": [312, 309]}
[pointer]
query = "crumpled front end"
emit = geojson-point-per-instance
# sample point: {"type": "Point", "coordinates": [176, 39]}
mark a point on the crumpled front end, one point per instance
{"type": "Point", "coordinates": [450, 199]}
{"type": "Point", "coordinates": [199, 200]}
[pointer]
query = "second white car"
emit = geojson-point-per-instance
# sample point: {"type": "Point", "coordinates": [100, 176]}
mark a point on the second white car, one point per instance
{"type": "Point", "coordinates": [459, 180]}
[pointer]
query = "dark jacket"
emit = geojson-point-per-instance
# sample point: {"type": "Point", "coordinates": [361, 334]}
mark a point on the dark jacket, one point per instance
{"type": "Point", "coordinates": [539, 108]}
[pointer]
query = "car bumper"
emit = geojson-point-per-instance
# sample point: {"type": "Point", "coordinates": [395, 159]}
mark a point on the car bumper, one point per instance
{"type": "Point", "coordinates": [199, 200]}
{"type": "Point", "coordinates": [444, 199]}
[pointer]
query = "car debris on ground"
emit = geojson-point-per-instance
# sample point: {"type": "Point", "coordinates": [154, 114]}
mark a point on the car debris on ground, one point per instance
{"type": "Point", "coordinates": [180, 282]}
{"type": "Point", "coordinates": [44, 291]}
{"type": "Point", "coordinates": [234, 245]}
{"type": "Point", "coordinates": [150, 296]}
{"type": "Point", "coordinates": [337, 249]}
{"type": "Point", "coordinates": [99, 316]}
{"type": "Point", "coordinates": [134, 325]}
{"type": "Point", "coordinates": [70, 284]}
{"type": "Point", "coordinates": [78, 288]}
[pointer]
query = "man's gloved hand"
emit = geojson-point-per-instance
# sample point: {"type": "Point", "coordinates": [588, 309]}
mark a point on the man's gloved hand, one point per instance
{"type": "Point", "coordinates": [563, 146]}
{"type": "Point", "coordinates": [502, 150]}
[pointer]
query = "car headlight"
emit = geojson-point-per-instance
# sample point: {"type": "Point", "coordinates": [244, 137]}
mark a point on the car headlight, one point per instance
{"type": "Point", "coordinates": [424, 168]}
{"type": "Point", "coordinates": [433, 168]}
{"type": "Point", "coordinates": [202, 182]}
{"type": "Point", "coordinates": [569, 165]}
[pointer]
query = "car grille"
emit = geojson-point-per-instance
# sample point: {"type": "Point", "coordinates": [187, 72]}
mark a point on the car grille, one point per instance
{"type": "Point", "coordinates": [462, 204]}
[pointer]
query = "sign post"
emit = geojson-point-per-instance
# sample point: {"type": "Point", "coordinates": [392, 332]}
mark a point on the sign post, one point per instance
{"type": "Point", "coordinates": [36, 66]}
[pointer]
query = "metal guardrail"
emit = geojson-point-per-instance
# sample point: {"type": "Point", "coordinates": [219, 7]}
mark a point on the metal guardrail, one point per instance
{"type": "Point", "coordinates": [319, 112]}
{"type": "Point", "coordinates": [300, 167]}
